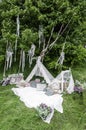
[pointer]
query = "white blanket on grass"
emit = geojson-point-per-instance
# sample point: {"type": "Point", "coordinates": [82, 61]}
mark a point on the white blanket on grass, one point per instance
{"type": "Point", "coordinates": [33, 98]}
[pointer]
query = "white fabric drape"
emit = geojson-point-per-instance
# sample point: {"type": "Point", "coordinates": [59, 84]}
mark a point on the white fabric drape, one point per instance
{"type": "Point", "coordinates": [22, 60]}
{"type": "Point", "coordinates": [65, 77]}
{"type": "Point", "coordinates": [40, 70]}
{"type": "Point", "coordinates": [33, 98]}
{"type": "Point", "coordinates": [31, 53]}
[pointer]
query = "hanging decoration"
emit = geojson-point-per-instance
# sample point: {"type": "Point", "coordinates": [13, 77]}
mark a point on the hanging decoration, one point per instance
{"type": "Point", "coordinates": [61, 58]}
{"type": "Point", "coordinates": [31, 53]}
{"type": "Point", "coordinates": [62, 55]}
{"type": "Point", "coordinates": [18, 25]}
{"type": "Point", "coordinates": [9, 54]}
{"type": "Point", "coordinates": [22, 61]}
{"type": "Point", "coordinates": [41, 35]}
{"type": "Point", "coordinates": [9, 58]}
{"type": "Point", "coordinates": [17, 33]}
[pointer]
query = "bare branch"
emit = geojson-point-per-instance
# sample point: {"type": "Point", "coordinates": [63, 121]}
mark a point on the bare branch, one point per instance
{"type": "Point", "coordinates": [60, 33]}
{"type": "Point", "coordinates": [50, 36]}
{"type": "Point", "coordinates": [66, 26]}
{"type": "Point", "coordinates": [57, 36]}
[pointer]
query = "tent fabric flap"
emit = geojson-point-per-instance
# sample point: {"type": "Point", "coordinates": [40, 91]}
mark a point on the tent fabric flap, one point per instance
{"type": "Point", "coordinates": [40, 70]}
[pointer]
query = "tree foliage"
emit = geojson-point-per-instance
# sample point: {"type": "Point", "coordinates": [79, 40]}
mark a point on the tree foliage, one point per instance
{"type": "Point", "coordinates": [50, 14]}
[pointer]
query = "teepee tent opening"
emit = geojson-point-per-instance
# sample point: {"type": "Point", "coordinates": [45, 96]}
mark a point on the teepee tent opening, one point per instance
{"type": "Point", "coordinates": [63, 82]}
{"type": "Point", "coordinates": [40, 70]}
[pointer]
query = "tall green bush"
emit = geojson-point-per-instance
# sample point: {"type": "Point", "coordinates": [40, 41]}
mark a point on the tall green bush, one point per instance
{"type": "Point", "coordinates": [50, 14]}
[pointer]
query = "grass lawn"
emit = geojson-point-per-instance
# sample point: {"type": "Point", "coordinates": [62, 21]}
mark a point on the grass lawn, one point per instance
{"type": "Point", "coordinates": [14, 115]}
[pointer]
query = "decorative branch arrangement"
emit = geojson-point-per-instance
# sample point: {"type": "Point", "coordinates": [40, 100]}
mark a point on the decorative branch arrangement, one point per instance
{"type": "Point", "coordinates": [31, 52]}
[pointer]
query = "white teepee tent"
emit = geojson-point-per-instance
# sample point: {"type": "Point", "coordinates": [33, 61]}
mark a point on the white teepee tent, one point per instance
{"type": "Point", "coordinates": [40, 70]}
{"type": "Point", "coordinates": [63, 81]}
